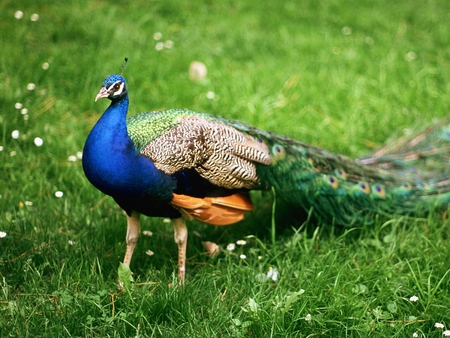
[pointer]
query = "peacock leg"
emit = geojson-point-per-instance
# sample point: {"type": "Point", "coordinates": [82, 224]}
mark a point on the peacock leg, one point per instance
{"type": "Point", "coordinates": [133, 230]}
{"type": "Point", "coordinates": [181, 234]}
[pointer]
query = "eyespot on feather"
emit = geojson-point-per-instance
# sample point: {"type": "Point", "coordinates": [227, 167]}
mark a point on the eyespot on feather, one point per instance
{"type": "Point", "coordinates": [257, 139]}
{"type": "Point", "coordinates": [407, 186]}
{"type": "Point", "coordinates": [403, 190]}
{"type": "Point", "coordinates": [278, 151]}
{"type": "Point", "coordinates": [333, 182]}
{"type": "Point", "coordinates": [423, 186]}
{"type": "Point", "coordinates": [379, 191]}
{"type": "Point", "coordinates": [364, 187]}
{"type": "Point", "coordinates": [341, 174]}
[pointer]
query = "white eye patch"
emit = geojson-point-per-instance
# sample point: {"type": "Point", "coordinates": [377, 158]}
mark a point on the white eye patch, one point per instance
{"type": "Point", "coordinates": [116, 88]}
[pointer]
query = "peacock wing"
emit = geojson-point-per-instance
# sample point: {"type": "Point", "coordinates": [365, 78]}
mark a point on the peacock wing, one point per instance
{"type": "Point", "coordinates": [219, 152]}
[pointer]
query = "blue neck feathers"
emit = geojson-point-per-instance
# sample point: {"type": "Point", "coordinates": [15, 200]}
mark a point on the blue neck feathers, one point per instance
{"type": "Point", "coordinates": [114, 166]}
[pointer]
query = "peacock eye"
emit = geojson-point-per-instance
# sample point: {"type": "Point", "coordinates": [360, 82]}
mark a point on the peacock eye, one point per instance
{"type": "Point", "coordinates": [116, 86]}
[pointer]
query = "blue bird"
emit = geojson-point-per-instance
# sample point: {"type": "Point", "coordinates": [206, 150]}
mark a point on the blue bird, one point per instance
{"type": "Point", "coordinates": [183, 165]}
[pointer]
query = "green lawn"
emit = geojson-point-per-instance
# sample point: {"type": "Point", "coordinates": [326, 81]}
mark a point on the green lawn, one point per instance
{"type": "Point", "coordinates": [343, 75]}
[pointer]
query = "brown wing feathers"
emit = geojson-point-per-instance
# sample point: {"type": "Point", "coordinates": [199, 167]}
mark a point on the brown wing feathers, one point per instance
{"type": "Point", "coordinates": [219, 153]}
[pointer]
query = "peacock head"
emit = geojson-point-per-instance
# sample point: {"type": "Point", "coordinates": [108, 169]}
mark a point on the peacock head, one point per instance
{"type": "Point", "coordinates": [114, 88]}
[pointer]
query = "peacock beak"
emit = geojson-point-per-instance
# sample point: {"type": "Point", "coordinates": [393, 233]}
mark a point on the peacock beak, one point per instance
{"type": "Point", "coordinates": [102, 94]}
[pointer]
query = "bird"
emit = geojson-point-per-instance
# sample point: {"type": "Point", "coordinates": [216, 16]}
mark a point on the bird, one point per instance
{"type": "Point", "coordinates": [185, 165]}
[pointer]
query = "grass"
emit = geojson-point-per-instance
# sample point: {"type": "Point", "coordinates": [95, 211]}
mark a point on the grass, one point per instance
{"type": "Point", "coordinates": [341, 75]}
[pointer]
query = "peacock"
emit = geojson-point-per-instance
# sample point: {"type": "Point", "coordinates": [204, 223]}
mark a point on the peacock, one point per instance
{"type": "Point", "coordinates": [186, 165]}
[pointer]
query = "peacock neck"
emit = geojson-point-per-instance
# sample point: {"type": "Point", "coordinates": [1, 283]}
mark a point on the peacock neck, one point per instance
{"type": "Point", "coordinates": [112, 163]}
{"type": "Point", "coordinates": [112, 126]}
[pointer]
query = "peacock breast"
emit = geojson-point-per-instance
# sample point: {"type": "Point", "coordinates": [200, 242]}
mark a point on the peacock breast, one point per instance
{"type": "Point", "coordinates": [114, 166]}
